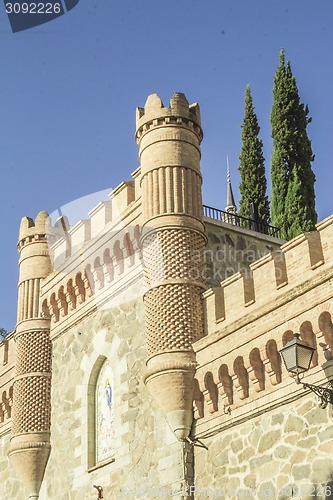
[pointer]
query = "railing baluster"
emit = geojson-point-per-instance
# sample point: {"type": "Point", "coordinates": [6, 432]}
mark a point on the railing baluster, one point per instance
{"type": "Point", "coordinates": [237, 220]}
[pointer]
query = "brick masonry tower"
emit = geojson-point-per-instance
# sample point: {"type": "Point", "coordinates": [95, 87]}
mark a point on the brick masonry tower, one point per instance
{"type": "Point", "coordinates": [30, 439]}
{"type": "Point", "coordinates": [173, 243]}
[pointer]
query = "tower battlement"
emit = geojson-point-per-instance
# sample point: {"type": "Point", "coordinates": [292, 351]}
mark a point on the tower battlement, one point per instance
{"type": "Point", "coordinates": [31, 229]}
{"type": "Point", "coordinates": [155, 114]}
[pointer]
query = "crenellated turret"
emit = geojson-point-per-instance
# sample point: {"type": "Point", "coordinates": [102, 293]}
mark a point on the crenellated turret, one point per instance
{"type": "Point", "coordinates": [30, 439]}
{"type": "Point", "coordinates": [173, 243]}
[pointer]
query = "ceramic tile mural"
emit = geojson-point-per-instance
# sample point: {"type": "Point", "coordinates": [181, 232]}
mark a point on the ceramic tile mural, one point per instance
{"type": "Point", "coordinates": [104, 414]}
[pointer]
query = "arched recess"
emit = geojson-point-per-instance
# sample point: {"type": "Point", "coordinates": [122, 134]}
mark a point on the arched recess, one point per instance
{"type": "Point", "coordinates": [98, 273]}
{"type": "Point", "coordinates": [226, 382]}
{"type": "Point", "coordinates": [242, 383]}
{"type": "Point", "coordinates": [79, 288]}
{"type": "Point", "coordinates": [88, 280]}
{"type": "Point", "coordinates": [258, 376]}
{"type": "Point", "coordinates": [274, 370]}
{"type": "Point", "coordinates": [45, 310]}
{"type": "Point", "coordinates": [85, 393]}
{"type": "Point", "coordinates": [210, 393]}
{"type": "Point", "coordinates": [71, 295]}
{"type": "Point", "coordinates": [287, 336]}
{"type": "Point", "coordinates": [2, 407]}
{"type": "Point", "coordinates": [198, 400]}
{"type": "Point", "coordinates": [54, 307]}
{"type": "Point", "coordinates": [62, 303]}
{"type": "Point", "coordinates": [118, 253]}
{"type": "Point", "coordinates": [326, 326]}
{"type": "Point", "coordinates": [108, 265]}
{"type": "Point", "coordinates": [128, 245]}
{"type": "Point", "coordinates": [100, 413]}
{"type": "Point", "coordinates": [309, 337]}
{"type": "Point", "coordinates": [137, 237]}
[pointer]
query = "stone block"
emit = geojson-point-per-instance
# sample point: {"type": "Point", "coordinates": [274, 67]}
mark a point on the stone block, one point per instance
{"type": "Point", "coordinates": [221, 459]}
{"type": "Point", "coordinates": [326, 434]}
{"type": "Point", "coordinates": [267, 490]}
{"type": "Point", "coordinates": [293, 424]}
{"type": "Point", "coordinates": [277, 419]}
{"type": "Point", "coordinates": [250, 481]}
{"type": "Point", "coordinates": [321, 471]}
{"type": "Point", "coordinates": [269, 440]}
{"type": "Point", "coordinates": [301, 472]}
{"type": "Point", "coordinates": [316, 416]}
{"type": "Point", "coordinates": [236, 445]}
{"type": "Point", "coordinates": [307, 443]}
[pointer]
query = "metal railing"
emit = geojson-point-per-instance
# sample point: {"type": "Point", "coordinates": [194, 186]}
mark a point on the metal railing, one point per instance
{"type": "Point", "coordinates": [237, 220]}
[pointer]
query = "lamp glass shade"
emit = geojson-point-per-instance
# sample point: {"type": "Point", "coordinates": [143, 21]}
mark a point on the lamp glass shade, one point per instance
{"type": "Point", "coordinates": [297, 355]}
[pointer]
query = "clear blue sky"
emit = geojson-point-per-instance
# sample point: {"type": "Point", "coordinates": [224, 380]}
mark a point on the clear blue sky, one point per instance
{"type": "Point", "coordinates": [69, 90]}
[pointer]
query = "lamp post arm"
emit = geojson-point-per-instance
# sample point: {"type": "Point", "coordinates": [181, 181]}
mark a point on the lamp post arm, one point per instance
{"type": "Point", "coordinates": [325, 394]}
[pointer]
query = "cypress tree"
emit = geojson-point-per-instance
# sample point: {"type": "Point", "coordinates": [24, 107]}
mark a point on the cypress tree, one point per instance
{"type": "Point", "coordinates": [252, 165]}
{"type": "Point", "coordinates": [293, 196]}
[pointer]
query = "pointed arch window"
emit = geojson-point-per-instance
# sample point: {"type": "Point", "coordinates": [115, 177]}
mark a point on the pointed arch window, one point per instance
{"type": "Point", "coordinates": [104, 414]}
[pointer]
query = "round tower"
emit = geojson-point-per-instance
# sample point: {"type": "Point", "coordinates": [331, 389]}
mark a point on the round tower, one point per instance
{"type": "Point", "coordinates": [30, 437]}
{"type": "Point", "coordinates": [173, 243]}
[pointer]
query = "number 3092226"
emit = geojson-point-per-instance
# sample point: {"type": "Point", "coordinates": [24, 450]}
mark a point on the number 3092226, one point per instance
{"type": "Point", "coordinates": [33, 8]}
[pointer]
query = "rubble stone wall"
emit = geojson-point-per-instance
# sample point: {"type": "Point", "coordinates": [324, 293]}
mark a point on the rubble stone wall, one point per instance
{"type": "Point", "coordinates": [282, 454]}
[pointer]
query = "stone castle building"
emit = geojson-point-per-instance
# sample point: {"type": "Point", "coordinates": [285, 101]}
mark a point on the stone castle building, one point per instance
{"type": "Point", "coordinates": [145, 361]}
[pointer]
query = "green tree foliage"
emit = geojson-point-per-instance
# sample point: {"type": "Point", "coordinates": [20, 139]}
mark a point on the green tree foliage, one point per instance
{"type": "Point", "coordinates": [252, 165]}
{"type": "Point", "coordinates": [293, 196]}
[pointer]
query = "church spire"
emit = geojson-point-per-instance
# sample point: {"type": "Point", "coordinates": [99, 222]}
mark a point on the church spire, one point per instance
{"type": "Point", "coordinates": [231, 206]}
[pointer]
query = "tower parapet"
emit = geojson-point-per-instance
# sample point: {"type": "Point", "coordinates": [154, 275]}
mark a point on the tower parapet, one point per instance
{"type": "Point", "coordinates": [173, 242]}
{"type": "Point", "coordinates": [30, 439]}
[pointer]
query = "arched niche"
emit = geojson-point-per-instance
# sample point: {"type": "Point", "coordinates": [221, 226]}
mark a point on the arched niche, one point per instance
{"type": "Point", "coordinates": [101, 431]}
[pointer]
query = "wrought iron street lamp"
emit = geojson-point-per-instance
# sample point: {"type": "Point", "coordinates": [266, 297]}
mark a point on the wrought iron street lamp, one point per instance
{"type": "Point", "coordinates": [297, 357]}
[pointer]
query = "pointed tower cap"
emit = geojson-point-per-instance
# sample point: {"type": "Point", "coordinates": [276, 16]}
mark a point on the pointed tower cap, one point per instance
{"type": "Point", "coordinates": [231, 205]}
